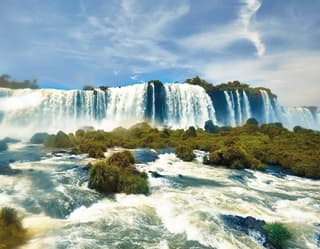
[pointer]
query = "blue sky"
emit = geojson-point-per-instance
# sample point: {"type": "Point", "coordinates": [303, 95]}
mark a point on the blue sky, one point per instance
{"type": "Point", "coordinates": [66, 44]}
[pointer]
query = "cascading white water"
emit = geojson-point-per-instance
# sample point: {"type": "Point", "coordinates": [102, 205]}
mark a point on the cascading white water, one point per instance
{"type": "Point", "coordinates": [246, 105]}
{"type": "Point", "coordinates": [268, 109]}
{"type": "Point", "coordinates": [302, 116]}
{"type": "Point", "coordinates": [230, 108]}
{"type": "Point", "coordinates": [240, 120]}
{"type": "Point", "coordinates": [126, 105]}
{"type": "Point", "coordinates": [188, 105]}
{"type": "Point", "coordinates": [25, 111]}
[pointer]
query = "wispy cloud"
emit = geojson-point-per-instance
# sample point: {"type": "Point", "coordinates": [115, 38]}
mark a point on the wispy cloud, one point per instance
{"type": "Point", "coordinates": [220, 38]}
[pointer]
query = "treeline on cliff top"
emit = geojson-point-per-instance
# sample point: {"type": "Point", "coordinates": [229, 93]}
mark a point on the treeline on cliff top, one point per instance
{"type": "Point", "coordinates": [251, 146]}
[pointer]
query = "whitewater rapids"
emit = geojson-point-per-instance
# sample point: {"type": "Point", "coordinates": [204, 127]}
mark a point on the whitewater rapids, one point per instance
{"type": "Point", "coordinates": [183, 210]}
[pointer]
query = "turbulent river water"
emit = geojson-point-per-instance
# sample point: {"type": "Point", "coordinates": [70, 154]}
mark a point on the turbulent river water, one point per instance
{"type": "Point", "coordinates": [184, 209]}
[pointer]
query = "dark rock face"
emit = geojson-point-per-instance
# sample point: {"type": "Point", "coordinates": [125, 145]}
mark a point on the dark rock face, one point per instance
{"type": "Point", "coordinates": [155, 174]}
{"type": "Point", "coordinates": [250, 226]}
{"type": "Point", "coordinates": [317, 239]}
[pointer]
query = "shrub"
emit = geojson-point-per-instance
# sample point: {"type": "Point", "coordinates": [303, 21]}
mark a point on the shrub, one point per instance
{"type": "Point", "coordinates": [104, 178]}
{"type": "Point", "coordinates": [278, 234]}
{"type": "Point", "coordinates": [185, 153]}
{"type": "Point", "coordinates": [61, 140]}
{"type": "Point", "coordinates": [12, 234]}
{"type": "Point", "coordinates": [39, 138]}
{"type": "Point", "coordinates": [88, 88]}
{"type": "Point", "coordinates": [252, 121]}
{"type": "Point", "coordinates": [121, 159]}
{"type": "Point", "coordinates": [191, 132]}
{"type": "Point", "coordinates": [110, 179]}
{"type": "Point", "coordinates": [210, 127]}
{"type": "Point", "coordinates": [131, 182]}
{"type": "Point", "coordinates": [234, 157]}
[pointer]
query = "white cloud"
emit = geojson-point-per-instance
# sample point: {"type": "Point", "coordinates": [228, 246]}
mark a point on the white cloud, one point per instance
{"type": "Point", "coordinates": [293, 76]}
{"type": "Point", "coordinates": [220, 38]}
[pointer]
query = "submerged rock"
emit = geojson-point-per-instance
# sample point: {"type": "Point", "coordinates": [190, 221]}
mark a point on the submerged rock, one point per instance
{"type": "Point", "coordinates": [250, 226]}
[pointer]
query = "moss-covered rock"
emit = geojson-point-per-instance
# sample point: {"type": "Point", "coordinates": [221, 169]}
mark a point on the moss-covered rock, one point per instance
{"type": "Point", "coordinates": [185, 153]}
{"type": "Point", "coordinates": [12, 234]}
{"type": "Point", "coordinates": [118, 175]}
{"type": "Point", "coordinates": [278, 234]}
{"type": "Point", "coordinates": [234, 157]}
{"type": "Point", "coordinates": [121, 159]}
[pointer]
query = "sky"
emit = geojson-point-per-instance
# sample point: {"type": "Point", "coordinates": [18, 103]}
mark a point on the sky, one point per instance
{"type": "Point", "coordinates": [67, 44]}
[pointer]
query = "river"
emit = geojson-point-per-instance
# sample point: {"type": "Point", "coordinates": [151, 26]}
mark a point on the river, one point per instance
{"type": "Point", "coordinates": [185, 208]}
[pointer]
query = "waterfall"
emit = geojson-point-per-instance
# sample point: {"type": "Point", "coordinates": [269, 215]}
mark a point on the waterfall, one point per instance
{"type": "Point", "coordinates": [26, 111]}
{"type": "Point", "coordinates": [126, 105]}
{"type": "Point", "coordinates": [240, 120]}
{"type": "Point", "coordinates": [188, 105]}
{"type": "Point", "coordinates": [302, 116]}
{"type": "Point", "coordinates": [246, 105]}
{"type": "Point", "coordinates": [230, 108]}
{"type": "Point", "coordinates": [268, 109]}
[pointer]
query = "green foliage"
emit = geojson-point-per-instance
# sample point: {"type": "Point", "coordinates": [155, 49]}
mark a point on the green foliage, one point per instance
{"type": "Point", "coordinates": [252, 121]}
{"type": "Point", "coordinates": [250, 146]}
{"type": "Point", "coordinates": [121, 159]}
{"type": "Point", "coordinates": [109, 179]}
{"type": "Point", "coordinates": [60, 140]}
{"type": "Point", "coordinates": [39, 138]}
{"type": "Point", "coordinates": [191, 132]}
{"type": "Point", "coordinates": [7, 82]}
{"type": "Point", "coordinates": [278, 234]}
{"type": "Point", "coordinates": [103, 88]}
{"type": "Point", "coordinates": [210, 127]}
{"type": "Point", "coordinates": [230, 86]}
{"type": "Point", "coordinates": [88, 88]}
{"type": "Point", "coordinates": [104, 178]}
{"type": "Point", "coordinates": [185, 153]}
{"type": "Point", "coordinates": [235, 157]}
{"type": "Point", "coordinates": [200, 82]}
{"type": "Point", "coordinates": [12, 234]}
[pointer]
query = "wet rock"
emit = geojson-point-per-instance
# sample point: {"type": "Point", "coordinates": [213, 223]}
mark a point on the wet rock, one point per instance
{"type": "Point", "coordinates": [317, 239]}
{"type": "Point", "coordinates": [10, 140]}
{"type": "Point", "coordinates": [88, 166]}
{"type": "Point", "coordinates": [155, 174]}
{"type": "Point", "coordinates": [250, 226]}
{"type": "Point", "coordinates": [180, 176]}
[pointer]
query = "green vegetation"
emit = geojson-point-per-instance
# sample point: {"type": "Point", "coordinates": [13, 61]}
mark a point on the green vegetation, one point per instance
{"type": "Point", "coordinates": [39, 138]}
{"type": "Point", "coordinates": [61, 140]}
{"type": "Point", "coordinates": [12, 234]}
{"type": "Point", "coordinates": [231, 85]}
{"type": "Point", "coordinates": [88, 88]}
{"type": "Point", "coordinates": [250, 146]}
{"type": "Point", "coordinates": [185, 153]}
{"type": "Point", "coordinates": [121, 159]}
{"type": "Point", "coordinates": [7, 82]}
{"type": "Point", "coordinates": [278, 234]}
{"type": "Point", "coordinates": [117, 174]}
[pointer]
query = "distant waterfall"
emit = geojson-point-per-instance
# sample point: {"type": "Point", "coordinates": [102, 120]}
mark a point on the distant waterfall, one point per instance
{"type": "Point", "coordinates": [240, 120]}
{"type": "Point", "coordinates": [174, 105]}
{"type": "Point", "coordinates": [188, 105]}
{"type": "Point", "coordinates": [246, 105]}
{"type": "Point", "coordinates": [268, 109]}
{"type": "Point", "coordinates": [230, 109]}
